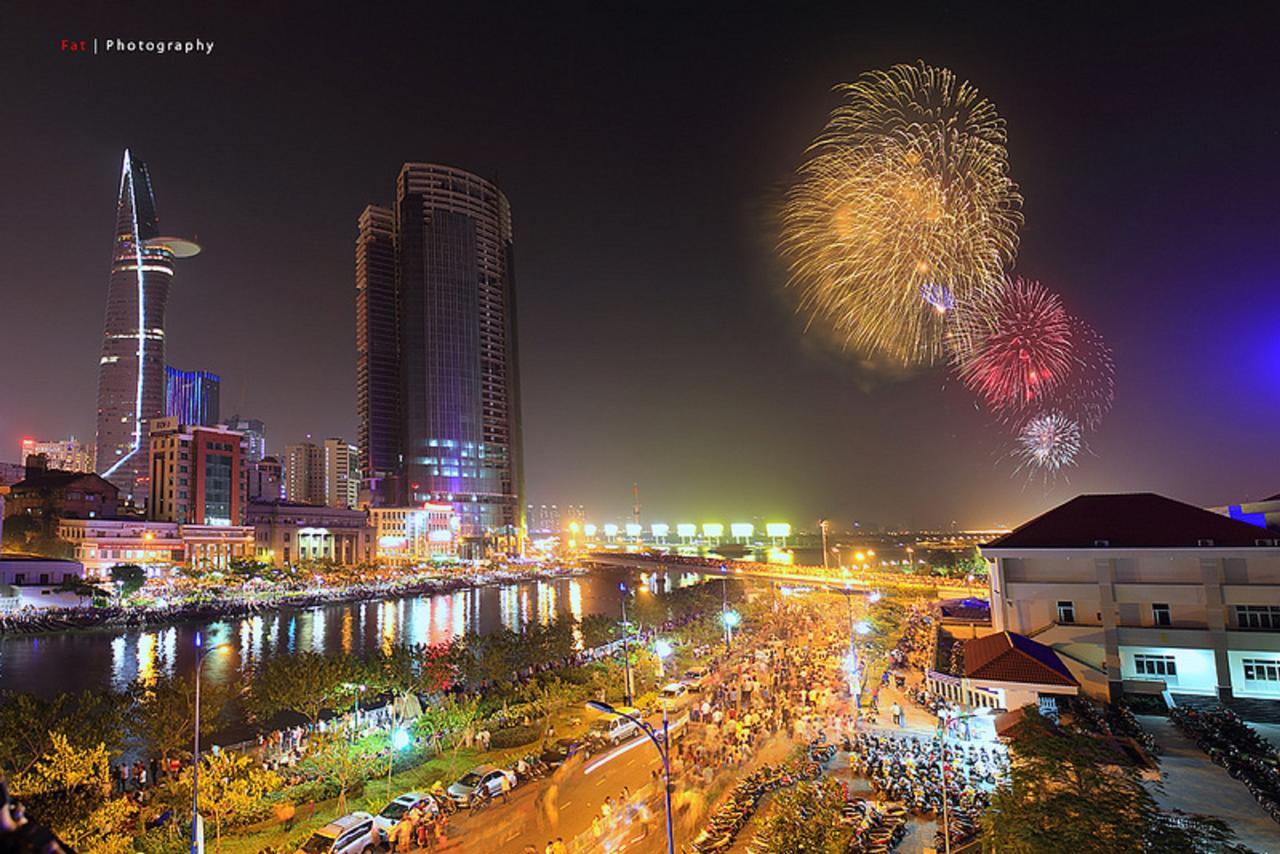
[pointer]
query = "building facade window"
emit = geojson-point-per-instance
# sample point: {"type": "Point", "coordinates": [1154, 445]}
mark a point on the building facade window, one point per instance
{"type": "Point", "coordinates": [1066, 612]}
{"type": "Point", "coordinates": [1164, 666]}
{"type": "Point", "coordinates": [1160, 615]}
{"type": "Point", "coordinates": [1261, 669]}
{"type": "Point", "coordinates": [1258, 617]}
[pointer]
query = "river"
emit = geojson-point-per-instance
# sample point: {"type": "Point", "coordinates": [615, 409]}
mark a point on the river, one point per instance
{"type": "Point", "coordinates": [101, 659]}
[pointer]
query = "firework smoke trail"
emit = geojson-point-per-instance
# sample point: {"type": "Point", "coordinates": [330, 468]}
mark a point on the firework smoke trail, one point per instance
{"type": "Point", "coordinates": [1013, 347]}
{"type": "Point", "coordinates": [906, 196]}
{"type": "Point", "coordinates": [1048, 443]}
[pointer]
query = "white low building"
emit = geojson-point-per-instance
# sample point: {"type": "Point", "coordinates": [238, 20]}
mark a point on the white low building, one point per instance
{"type": "Point", "coordinates": [1141, 593]}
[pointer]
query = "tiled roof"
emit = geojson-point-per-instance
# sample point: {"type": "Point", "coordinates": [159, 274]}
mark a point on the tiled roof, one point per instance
{"type": "Point", "coordinates": [55, 479]}
{"type": "Point", "coordinates": [1131, 520]}
{"type": "Point", "coordinates": [1011, 657]}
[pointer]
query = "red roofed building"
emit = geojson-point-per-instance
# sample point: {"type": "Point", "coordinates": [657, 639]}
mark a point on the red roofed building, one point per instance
{"type": "Point", "coordinates": [1142, 593]}
{"type": "Point", "coordinates": [1006, 670]}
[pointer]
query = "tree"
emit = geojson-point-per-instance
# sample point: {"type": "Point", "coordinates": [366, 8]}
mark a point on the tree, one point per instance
{"type": "Point", "coordinates": [341, 761]}
{"type": "Point", "coordinates": [128, 578]}
{"type": "Point", "coordinates": [78, 587]}
{"type": "Point", "coordinates": [598, 630]}
{"type": "Point", "coordinates": [27, 724]}
{"type": "Point", "coordinates": [69, 789]}
{"type": "Point", "coordinates": [1069, 791]}
{"type": "Point", "coordinates": [232, 788]}
{"type": "Point", "coordinates": [807, 818]}
{"type": "Point", "coordinates": [307, 683]}
{"type": "Point", "coordinates": [452, 714]}
{"type": "Point", "coordinates": [164, 712]}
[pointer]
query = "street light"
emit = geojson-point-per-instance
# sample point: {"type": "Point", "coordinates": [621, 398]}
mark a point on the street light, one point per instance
{"type": "Point", "coordinates": [399, 741]}
{"type": "Point", "coordinates": [196, 847]}
{"type": "Point", "coordinates": [626, 654]}
{"type": "Point", "coordinates": [662, 746]}
{"type": "Point", "coordinates": [662, 649]}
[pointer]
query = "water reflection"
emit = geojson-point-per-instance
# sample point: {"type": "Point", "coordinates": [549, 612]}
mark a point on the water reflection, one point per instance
{"type": "Point", "coordinates": [113, 659]}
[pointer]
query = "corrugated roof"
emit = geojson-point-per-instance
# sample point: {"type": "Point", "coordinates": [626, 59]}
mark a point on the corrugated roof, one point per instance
{"type": "Point", "coordinates": [1011, 657]}
{"type": "Point", "coordinates": [1131, 520]}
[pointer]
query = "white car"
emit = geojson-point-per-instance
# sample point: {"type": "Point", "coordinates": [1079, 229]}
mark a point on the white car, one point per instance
{"type": "Point", "coordinates": [610, 729]}
{"type": "Point", "coordinates": [694, 677]}
{"type": "Point", "coordinates": [392, 812]}
{"type": "Point", "coordinates": [674, 695]}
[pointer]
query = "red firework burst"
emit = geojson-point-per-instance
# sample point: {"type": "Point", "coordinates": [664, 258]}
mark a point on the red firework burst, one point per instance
{"type": "Point", "coordinates": [1089, 388]}
{"type": "Point", "coordinates": [1014, 347]}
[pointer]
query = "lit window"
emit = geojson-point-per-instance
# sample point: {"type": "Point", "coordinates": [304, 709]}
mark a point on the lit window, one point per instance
{"type": "Point", "coordinates": [1261, 669]}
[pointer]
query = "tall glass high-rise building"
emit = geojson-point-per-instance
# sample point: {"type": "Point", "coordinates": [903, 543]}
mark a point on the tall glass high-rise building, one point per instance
{"type": "Point", "coordinates": [131, 375]}
{"type": "Point", "coordinates": [442, 322]}
{"type": "Point", "coordinates": [192, 396]}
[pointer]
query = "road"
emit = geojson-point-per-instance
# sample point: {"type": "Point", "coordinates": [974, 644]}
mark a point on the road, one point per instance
{"type": "Point", "coordinates": [565, 804]}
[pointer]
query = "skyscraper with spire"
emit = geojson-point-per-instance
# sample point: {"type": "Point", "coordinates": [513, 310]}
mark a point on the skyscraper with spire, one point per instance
{"type": "Point", "coordinates": [131, 371]}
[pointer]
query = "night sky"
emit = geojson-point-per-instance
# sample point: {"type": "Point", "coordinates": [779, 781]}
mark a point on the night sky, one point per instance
{"type": "Point", "coordinates": [645, 149]}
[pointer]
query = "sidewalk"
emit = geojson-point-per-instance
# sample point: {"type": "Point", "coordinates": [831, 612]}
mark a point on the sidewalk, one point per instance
{"type": "Point", "coordinates": [1194, 784]}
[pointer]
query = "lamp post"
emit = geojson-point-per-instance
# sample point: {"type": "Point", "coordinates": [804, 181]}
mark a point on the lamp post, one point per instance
{"type": "Point", "coordinates": [201, 655]}
{"type": "Point", "coordinates": [824, 525]}
{"type": "Point", "coordinates": [724, 607]}
{"type": "Point", "coordinates": [626, 653]}
{"type": "Point", "coordinates": [662, 745]}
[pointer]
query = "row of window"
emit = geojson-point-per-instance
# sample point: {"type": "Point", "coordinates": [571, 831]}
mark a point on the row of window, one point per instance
{"type": "Point", "coordinates": [1247, 616]}
{"type": "Point", "coordinates": [1166, 667]}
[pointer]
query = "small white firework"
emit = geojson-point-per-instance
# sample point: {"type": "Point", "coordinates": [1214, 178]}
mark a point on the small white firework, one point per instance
{"type": "Point", "coordinates": [1049, 442]}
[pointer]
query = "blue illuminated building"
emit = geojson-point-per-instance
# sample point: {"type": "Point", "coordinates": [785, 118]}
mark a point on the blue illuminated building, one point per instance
{"type": "Point", "coordinates": [191, 396]}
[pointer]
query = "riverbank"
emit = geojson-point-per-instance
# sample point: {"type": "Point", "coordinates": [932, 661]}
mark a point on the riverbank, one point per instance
{"type": "Point", "coordinates": [241, 604]}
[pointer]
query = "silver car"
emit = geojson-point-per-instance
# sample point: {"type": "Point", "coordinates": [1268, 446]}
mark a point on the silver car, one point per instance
{"type": "Point", "coordinates": [351, 834]}
{"type": "Point", "coordinates": [487, 777]}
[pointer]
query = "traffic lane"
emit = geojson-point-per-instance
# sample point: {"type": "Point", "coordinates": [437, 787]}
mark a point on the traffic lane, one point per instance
{"type": "Point", "coordinates": [562, 805]}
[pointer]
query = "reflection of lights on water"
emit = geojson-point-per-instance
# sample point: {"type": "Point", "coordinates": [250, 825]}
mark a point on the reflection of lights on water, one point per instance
{"type": "Point", "coordinates": [575, 599]}
{"type": "Point", "coordinates": [348, 633]}
{"type": "Point", "coordinates": [147, 658]}
{"type": "Point", "coordinates": [318, 618]}
{"type": "Point", "coordinates": [419, 627]}
{"type": "Point", "coordinates": [508, 607]}
{"type": "Point", "coordinates": [387, 619]}
{"type": "Point", "coordinates": [546, 602]}
{"type": "Point", "coordinates": [169, 641]}
{"type": "Point", "coordinates": [575, 609]}
{"type": "Point", "coordinates": [119, 678]}
{"type": "Point", "coordinates": [291, 634]}
{"type": "Point", "coordinates": [459, 614]}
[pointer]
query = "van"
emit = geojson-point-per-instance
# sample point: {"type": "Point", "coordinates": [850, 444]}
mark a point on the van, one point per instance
{"type": "Point", "coordinates": [614, 728]}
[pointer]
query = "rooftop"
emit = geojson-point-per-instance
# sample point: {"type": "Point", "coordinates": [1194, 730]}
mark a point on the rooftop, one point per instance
{"type": "Point", "coordinates": [1011, 657]}
{"type": "Point", "coordinates": [1140, 520]}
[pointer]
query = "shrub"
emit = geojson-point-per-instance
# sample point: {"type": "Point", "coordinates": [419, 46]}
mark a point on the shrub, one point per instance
{"type": "Point", "coordinates": [516, 736]}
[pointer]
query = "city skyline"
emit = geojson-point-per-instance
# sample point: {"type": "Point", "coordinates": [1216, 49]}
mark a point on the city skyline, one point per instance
{"type": "Point", "coordinates": [655, 346]}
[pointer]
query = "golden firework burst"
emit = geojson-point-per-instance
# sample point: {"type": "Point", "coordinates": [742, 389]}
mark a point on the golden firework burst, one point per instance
{"type": "Point", "coordinates": [906, 194]}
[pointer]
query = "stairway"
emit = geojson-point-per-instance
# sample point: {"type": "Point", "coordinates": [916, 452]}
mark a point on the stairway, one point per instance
{"type": "Point", "coordinates": [1262, 711]}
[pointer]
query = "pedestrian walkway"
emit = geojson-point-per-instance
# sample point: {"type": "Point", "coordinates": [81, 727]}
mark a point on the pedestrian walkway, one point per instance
{"type": "Point", "coordinates": [1194, 784]}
